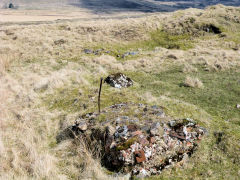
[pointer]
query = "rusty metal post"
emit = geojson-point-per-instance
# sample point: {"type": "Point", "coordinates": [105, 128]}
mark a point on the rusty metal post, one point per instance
{"type": "Point", "coordinates": [99, 96]}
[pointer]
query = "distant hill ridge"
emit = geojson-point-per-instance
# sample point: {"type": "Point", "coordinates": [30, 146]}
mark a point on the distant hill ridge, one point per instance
{"type": "Point", "coordinates": [98, 5]}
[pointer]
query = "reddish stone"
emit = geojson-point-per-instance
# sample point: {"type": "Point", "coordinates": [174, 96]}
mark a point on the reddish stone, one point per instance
{"type": "Point", "coordinates": [136, 133]}
{"type": "Point", "coordinates": [189, 144]}
{"type": "Point", "coordinates": [132, 127]}
{"type": "Point", "coordinates": [140, 156]}
{"type": "Point", "coordinates": [174, 134]}
{"type": "Point", "coordinates": [143, 141]}
{"type": "Point", "coordinates": [152, 140]}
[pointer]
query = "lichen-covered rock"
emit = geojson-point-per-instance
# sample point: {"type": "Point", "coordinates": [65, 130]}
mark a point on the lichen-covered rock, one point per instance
{"type": "Point", "coordinates": [118, 80]}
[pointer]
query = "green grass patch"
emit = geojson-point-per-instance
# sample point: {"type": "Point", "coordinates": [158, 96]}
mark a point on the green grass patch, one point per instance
{"type": "Point", "coordinates": [84, 99]}
{"type": "Point", "coordinates": [219, 96]}
{"type": "Point", "coordinates": [166, 40]}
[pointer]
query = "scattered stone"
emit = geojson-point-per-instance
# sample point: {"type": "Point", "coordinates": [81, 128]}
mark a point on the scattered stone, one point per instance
{"type": "Point", "coordinates": [60, 42]}
{"type": "Point", "coordinates": [172, 123]}
{"type": "Point", "coordinates": [161, 114]}
{"type": "Point", "coordinates": [155, 107]}
{"type": "Point", "coordinates": [131, 53]}
{"type": "Point", "coordinates": [87, 51]}
{"type": "Point", "coordinates": [82, 126]}
{"type": "Point", "coordinates": [118, 80]}
{"type": "Point", "coordinates": [122, 132]}
{"type": "Point", "coordinates": [156, 129]}
{"type": "Point", "coordinates": [96, 52]}
{"type": "Point", "coordinates": [171, 56]}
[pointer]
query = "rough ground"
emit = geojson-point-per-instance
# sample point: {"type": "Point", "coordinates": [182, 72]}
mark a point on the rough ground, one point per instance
{"type": "Point", "coordinates": [186, 62]}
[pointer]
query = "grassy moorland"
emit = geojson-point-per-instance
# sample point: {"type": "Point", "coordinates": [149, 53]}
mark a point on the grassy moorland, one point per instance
{"type": "Point", "coordinates": [186, 61]}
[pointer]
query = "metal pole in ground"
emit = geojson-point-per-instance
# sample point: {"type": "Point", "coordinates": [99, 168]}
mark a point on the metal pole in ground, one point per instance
{"type": "Point", "coordinates": [99, 96]}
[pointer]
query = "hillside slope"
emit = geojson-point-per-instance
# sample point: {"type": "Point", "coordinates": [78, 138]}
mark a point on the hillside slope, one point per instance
{"type": "Point", "coordinates": [186, 62]}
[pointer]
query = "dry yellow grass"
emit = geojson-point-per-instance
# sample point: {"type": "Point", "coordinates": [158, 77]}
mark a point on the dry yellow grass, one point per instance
{"type": "Point", "coordinates": [193, 82]}
{"type": "Point", "coordinates": [5, 61]}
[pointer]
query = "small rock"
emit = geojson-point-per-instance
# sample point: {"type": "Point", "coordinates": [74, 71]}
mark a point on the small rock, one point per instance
{"type": "Point", "coordinates": [160, 114]}
{"type": "Point", "coordinates": [143, 141]}
{"type": "Point", "coordinates": [174, 134]}
{"type": "Point", "coordinates": [238, 106]}
{"type": "Point", "coordinates": [132, 53]}
{"type": "Point", "coordinates": [145, 128]}
{"type": "Point", "coordinates": [121, 132]}
{"type": "Point", "coordinates": [152, 140]}
{"type": "Point", "coordinates": [143, 173]}
{"type": "Point", "coordinates": [156, 129]}
{"type": "Point", "coordinates": [132, 127]}
{"type": "Point", "coordinates": [171, 56]}
{"type": "Point", "coordinates": [140, 156]}
{"type": "Point", "coordinates": [136, 133]}
{"type": "Point", "coordinates": [154, 107]}
{"type": "Point", "coordinates": [203, 130]}
{"type": "Point", "coordinates": [87, 51]}
{"type": "Point", "coordinates": [41, 85]}
{"type": "Point", "coordinates": [60, 41]}
{"type": "Point", "coordinates": [155, 125]}
{"type": "Point", "coordinates": [118, 80]}
{"type": "Point", "coordinates": [82, 126]}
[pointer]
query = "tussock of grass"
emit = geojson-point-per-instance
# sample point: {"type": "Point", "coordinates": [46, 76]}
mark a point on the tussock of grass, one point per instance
{"type": "Point", "coordinates": [193, 82]}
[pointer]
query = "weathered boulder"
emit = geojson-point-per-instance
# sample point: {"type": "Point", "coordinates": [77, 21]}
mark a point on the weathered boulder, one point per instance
{"type": "Point", "coordinates": [118, 80]}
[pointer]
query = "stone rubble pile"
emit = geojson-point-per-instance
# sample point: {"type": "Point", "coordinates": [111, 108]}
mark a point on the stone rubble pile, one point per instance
{"type": "Point", "coordinates": [141, 147]}
{"type": "Point", "coordinates": [118, 80]}
{"type": "Point", "coordinates": [96, 52]}
{"type": "Point", "coordinates": [147, 152]}
{"type": "Point", "coordinates": [131, 53]}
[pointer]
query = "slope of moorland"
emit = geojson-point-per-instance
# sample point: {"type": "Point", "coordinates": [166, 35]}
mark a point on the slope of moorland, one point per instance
{"type": "Point", "coordinates": [187, 62]}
